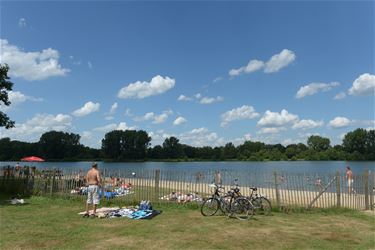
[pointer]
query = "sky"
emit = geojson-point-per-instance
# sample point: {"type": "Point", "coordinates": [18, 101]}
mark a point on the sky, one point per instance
{"type": "Point", "coordinates": [208, 72]}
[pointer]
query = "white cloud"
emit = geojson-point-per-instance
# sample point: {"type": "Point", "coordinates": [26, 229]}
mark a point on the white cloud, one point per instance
{"type": "Point", "coordinates": [31, 65]}
{"type": "Point", "coordinates": [32, 129]}
{"type": "Point", "coordinates": [313, 88]}
{"type": "Point", "coordinates": [108, 118]}
{"type": "Point", "coordinates": [340, 96]}
{"type": "Point", "coordinates": [274, 64]}
{"type": "Point", "coordinates": [89, 64]}
{"type": "Point", "coordinates": [252, 66]}
{"type": "Point", "coordinates": [339, 122]}
{"type": "Point", "coordinates": [271, 130]}
{"type": "Point", "coordinates": [201, 137]}
{"type": "Point", "coordinates": [279, 61]}
{"type": "Point", "coordinates": [113, 108]}
{"type": "Point", "coordinates": [217, 79]}
{"type": "Point", "coordinates": [16, 98]}
{"type": "Point", "coordinates": [307, 124]}
{"type": "Point", "coordinates": [241, 113]}
{"type": "Point", "coordinates": [113, 126]}
{"type": "Point", "coordinates": [22, 22]}
{"type": "Point", "coordinates": [363, 85]}
{"type": "Point", "coordinates": [198, 95]}
{"type": "Point", "coordinates": [179, 120]}
{"type": "Point", "coordinates": [87, 109]}
{"type": "Point", "coordinates": [210, 100]}
{"type": "Point", "coordinates": [274, 119]}
{"type": "Point", "coordinates": [156, 119]}
{"type": "Point", "coordinates": [184, 98]}
{"type": "Point", "coordinates": [140, 90]}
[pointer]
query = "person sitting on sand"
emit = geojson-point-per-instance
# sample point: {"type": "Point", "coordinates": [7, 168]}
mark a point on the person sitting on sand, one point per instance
{"type": "Point", "coordinates": [94, 182]}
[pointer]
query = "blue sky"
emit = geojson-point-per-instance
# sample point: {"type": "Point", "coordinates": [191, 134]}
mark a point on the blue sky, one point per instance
{"type": "Point", "coordinates": [205, 72]}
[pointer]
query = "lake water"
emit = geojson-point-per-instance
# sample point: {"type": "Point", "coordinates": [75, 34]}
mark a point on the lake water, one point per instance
{"type": "Point", "coordinates": [290, 167]}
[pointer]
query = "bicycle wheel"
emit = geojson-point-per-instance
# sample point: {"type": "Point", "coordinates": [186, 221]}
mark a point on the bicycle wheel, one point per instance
{"type": "Point", "coordinates": [262, 206]}
{"type": "Point", "coordinates": [210, 207]}
{"type": "Point", "coordinates": [242, 209]}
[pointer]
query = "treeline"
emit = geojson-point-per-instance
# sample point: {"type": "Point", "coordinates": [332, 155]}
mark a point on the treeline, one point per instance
{"type": "Point", "coordinates": [133, 145]}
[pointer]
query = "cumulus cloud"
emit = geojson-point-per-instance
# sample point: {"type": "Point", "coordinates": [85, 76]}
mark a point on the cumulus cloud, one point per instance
{"type": "Point", "coordinates": [31, 65]}
{"type": "Point", "coordinates": [184, 98]}
{"type": "Point", "coordinates": [179, 120]}
{"type": "Point", "coordinates": [113, 108]}
{"type": "Point", "coordinates": [275, 119]}
{"type": "Point", "coordinates": [155, 118]}
{"type": "Point", "coordinates": [114, 126]}
{"type": "Point", "coordinates": [307, 124]}
{"type": "Point", "coordinates": [340, 96]}
{"type": "Point", "coordinates": [252, 66]}
{"type": "Point", "coordinates": [32, 129]}
{"type": "Point", "coordinates": [271, 130]}
{"type": "Point", "coordinates": [363, 85]}
{"type": "Point", "coordinates": [339, 122]}
{"type": "Point", "coordinates": [279, 61]}
{"type": "Point", "coordinates": [274, 64]}
{"type": "Point", "coordinates": [201, 137]}
{"type": "Point", "coordinates": [201, 99]}
{"type": "Point", "coordinates": [140, 90]}
{"type": "Point", "coordinates": [22, 22]}
{"type": "Point", "coordinates": [87, 109]}
{"type": "Point", "coordinates": [16, 98]}
{"type": "Point", "coordinates": [313, 88]}
{"type": "Point", "coordinates": [210, 100]}
{"type": "Point", "coordinates": [242, 113]}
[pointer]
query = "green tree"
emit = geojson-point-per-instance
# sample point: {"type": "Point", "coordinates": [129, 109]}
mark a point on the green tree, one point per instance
{"type": "Point", "coordinates": [172, 148]}
{"type": "Point", "coordinates": [229, 151]}
{"type": "Point", "coordinates": [5, 87]}
{"type": "Point", "coordinates": [59, 145]}
{"type": "Point", "coordinates": [126, 145]}
{"type": "Point", "coordinates": [318, 143]}
{"type": "Point", "coordinates": [355, 141]}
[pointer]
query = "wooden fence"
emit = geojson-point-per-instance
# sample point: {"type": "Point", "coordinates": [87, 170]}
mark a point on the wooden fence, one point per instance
{"type": "Point", "coordinates": [283, 189]}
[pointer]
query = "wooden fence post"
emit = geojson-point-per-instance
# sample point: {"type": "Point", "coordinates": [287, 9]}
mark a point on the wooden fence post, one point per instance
{"type": "Point", "coordinates": [277, 190]}
{"type": "Point", "coordinates": [365, 177]}
{"type": "Point", "coordinates": [372, 189]}
{"type": "Point", "coordinates": [338, 190]}
{"type": "Point", "coordinates": [157, 180]}
{"type": "Point", "coordinates": [53, 182]}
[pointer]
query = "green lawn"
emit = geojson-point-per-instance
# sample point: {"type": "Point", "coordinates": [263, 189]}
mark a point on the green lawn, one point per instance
{"type": "Point", "coordinates": [54, 223]}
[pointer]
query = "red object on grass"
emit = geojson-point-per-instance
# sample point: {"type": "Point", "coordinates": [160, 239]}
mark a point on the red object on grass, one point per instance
{"type": "Point", "coordinates": [32, 158]}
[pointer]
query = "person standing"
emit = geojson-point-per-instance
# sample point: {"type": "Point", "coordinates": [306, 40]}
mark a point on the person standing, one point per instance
{"type": "Point", "coordinates": [349, 178]}
{"type": "Point", "coordinates": [94, 182]}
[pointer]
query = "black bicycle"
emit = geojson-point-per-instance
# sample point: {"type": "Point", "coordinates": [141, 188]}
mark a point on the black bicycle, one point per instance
{"type": "Point", "coordinates": [234, 206]}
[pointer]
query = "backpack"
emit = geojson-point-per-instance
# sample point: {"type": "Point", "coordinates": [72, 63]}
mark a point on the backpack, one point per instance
{"type": "Point", "coordinates": [145, 205]}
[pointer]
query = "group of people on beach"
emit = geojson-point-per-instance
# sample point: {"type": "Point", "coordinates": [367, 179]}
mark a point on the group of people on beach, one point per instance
{"type": "Point", "coordinates": [18, 171]}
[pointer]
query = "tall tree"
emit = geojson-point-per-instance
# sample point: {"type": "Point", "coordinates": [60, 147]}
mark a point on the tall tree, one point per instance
{"type": "Point", "coordinates": [59, 145]}
{"type": "Point", "coordinates": [172, 148]}
{"type": "Point", "coordinates": [356, 141]}
{"type": "Point", "coordinates": [126, 145]}
{"type": "Point", "coordinates": [318, 143]}
{"type": "Point", "coordinates": [5, 87]}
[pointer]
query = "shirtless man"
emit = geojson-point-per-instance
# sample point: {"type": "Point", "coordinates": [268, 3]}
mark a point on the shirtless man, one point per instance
{"type": "Point", "coordinates": [93, 182]}
{"type": "Point", "coordinates": [349, 177]}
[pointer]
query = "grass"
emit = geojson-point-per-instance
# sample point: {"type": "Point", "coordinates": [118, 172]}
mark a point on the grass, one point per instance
{"type": "Point", "coordinates": [54, 224]}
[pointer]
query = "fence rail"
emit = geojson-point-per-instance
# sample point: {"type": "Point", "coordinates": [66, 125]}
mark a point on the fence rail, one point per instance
{"type": "Point", "coordinates": [283, 189]}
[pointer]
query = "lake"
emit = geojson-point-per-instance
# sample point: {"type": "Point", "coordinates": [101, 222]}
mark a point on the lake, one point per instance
{"type": "Point", "coordinates": [290, 167]}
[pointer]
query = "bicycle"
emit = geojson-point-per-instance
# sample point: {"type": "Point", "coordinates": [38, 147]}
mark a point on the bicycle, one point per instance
{"type": "Point", "coordinates": [231, 204]}
{"type": "Point", "coordinates": [260, 204]}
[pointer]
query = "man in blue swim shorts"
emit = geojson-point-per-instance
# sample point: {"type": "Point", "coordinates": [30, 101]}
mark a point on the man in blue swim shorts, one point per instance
{"type": "Point", "coordinates": [93, 180]}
